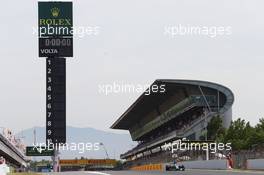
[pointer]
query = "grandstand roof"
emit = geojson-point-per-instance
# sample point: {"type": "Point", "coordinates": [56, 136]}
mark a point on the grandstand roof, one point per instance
{"type": "Point", "coordinates": [146, 103]}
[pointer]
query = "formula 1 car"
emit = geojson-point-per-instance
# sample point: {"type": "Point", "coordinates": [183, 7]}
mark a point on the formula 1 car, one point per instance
{"type": "Point", "coordinates": [174, 167]}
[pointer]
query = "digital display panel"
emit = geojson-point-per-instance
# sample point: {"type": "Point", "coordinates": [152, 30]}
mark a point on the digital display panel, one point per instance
{"type": "Point", "coordinates": [55, 29]}
{"type": "Point", "coordinates": [56, 100]}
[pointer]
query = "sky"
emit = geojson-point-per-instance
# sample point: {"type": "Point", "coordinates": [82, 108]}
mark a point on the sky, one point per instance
{"type": "Point", "coordinates": [131, 47]}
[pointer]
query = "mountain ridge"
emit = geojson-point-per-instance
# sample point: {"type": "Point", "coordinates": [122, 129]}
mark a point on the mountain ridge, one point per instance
{"type": "Point", "coordinates": [113, 143]}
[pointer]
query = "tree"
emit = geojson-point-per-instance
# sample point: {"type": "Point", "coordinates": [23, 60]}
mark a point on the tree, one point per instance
{"type": "Point", "coordinates": [239, 134]}
{"type": "Point", "coordinates": [215, 128]}
{"type": "Point", "coordinates": [260, 125]}
{"type": "Point", "coordinates": [257, 139]}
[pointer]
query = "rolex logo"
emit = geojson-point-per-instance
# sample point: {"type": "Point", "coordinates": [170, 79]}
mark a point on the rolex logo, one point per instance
{"type": "Point", "coordinates": [55, 12]}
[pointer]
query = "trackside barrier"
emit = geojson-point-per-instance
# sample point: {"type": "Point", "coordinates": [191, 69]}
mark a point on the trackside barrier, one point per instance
{"type": "Point", "coordinates": [255, 164]}
{"type": "Point", "coordinates": [151, 167]}
{"type": "Point", "coordinates": [209, 164]}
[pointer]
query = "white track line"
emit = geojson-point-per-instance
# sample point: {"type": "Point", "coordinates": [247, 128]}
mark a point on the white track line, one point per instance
{"type": "Point", "coordinates": [95, 172]}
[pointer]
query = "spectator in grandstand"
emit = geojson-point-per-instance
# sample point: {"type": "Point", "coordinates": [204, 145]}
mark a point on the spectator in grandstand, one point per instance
{"type": "Point", "coordinates": [2, 160]}
{"type": "Point", "coordinates": [3, 168]}
{"type": "Point", "coordinates": [175, 162]}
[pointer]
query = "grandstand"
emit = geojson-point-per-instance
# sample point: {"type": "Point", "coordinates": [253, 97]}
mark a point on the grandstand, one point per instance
{"type": "Point", "coordinates": [13, 150]}
{"type": "Point", "coordinates": [182, 111]}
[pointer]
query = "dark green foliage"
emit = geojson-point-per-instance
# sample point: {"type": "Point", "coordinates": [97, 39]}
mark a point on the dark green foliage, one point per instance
{"type": "Point", "coordinates": [240, 134]}
{"type": "Point", "coordinates": [215, 128]}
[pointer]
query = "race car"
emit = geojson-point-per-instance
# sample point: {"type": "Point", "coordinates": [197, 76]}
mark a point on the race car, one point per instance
{"type": "Point", "coordinates": [174, 167]}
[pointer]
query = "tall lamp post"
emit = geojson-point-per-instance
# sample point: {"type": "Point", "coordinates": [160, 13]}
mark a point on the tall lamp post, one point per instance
{"type": "Point", "coordinates": [106, 153]}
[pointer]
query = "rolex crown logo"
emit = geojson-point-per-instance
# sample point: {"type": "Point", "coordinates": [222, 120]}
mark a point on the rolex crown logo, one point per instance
{"type": "Point", "coordinates": [55, 12]}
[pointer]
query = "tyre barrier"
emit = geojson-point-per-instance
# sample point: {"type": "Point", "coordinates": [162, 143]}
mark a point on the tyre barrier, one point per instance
{"type": "Point", "coordinates": [151, 167]}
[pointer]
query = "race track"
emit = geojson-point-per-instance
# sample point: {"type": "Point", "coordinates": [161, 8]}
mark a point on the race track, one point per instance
{"type": "Point", "coordinates": [187, 172]}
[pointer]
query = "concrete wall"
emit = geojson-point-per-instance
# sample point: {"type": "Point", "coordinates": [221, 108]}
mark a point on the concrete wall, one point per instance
{"type": "Point", "coordinates": [202, 164]}
{"type": "Point", "coordinates": [227, 118]}
{"type": "Point", "coordinates": [255, 164]}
